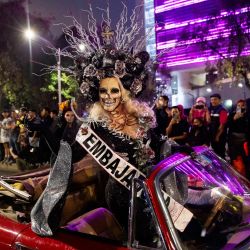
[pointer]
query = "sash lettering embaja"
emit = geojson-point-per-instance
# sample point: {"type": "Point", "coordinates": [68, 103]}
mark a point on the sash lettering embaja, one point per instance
{"type": "Point", "coordinates": [124, 172]}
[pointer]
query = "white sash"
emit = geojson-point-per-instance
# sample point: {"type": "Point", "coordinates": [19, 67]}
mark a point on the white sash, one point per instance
{"type": "Point", "coordinates": [124, 172]}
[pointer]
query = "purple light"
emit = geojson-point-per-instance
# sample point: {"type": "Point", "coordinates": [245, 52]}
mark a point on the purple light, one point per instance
{"type": "Point", "coordinates": [174, 4]}
{"type": "Point", "coordinates": [223, 14]}
{"type": "Point", "coordinates": [181, 169]}
{"type": "Point", "coordinates": [216, 173]}
{"type": "Point", "coordinates": [173, 43]}
{"type": "Point", "coordinates": [188, 52]}
{"type": "Point", "coordinates": [203, 176]}
{"type": "Point", "coordinates": [193, 61]}
{"type": "Point", "coordinates": [199, 59]}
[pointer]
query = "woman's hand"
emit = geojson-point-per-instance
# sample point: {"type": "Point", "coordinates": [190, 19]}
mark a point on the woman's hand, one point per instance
{"type": "Point", "coordinates": [238, 115]}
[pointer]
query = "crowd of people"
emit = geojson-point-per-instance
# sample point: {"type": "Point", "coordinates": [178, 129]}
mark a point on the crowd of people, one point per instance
{"type": "Point", "coordinates": [227, 133]}
{"type": "Point", "coordinates": [31, 139]}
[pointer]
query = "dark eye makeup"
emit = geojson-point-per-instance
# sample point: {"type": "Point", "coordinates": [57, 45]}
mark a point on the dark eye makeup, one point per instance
{"type": "Point", "coordinates": [102, 91]}
{"type": "Point", "coordinates": [112, 91]}
{"type": "Point", "coordinates": [115, 90]}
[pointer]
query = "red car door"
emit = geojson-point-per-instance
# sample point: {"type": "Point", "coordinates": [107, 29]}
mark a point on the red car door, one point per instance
{"type": "Point", "coordinates": [14, 235]}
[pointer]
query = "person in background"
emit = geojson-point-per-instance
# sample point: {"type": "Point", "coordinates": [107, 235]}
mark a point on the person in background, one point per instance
{"type": "Point", "coordinates": [182, 112]}
{"type": "Point", "coordinates": [26, 158]}
{"type": "Point", "coordinates": [14, 115]}
{"type": "Point", "coordinates": [177, 129]}
{"type": "Point", "coordinates": [162, 114]}
{"type": "Point", "coordinates": [14, 136]}
{"type": "Point", "coordinates": [247, 143]}
{"type": "Point", "coordinates": [33, 124]}
{"type": "Point", "coordinates": [44, 145]}
{"type": "Point", "coordinates": [5, 136]}
{"type": "Point", "coordinates": [72, 126]}
{"type": "Point", "coordinates": [198, 134]}
{"type": "Point", "coordinates": [238, 130]}
{"type": "Point", "coordinates": [217, 126]}
{"type": "Point", "coordinates": [23, 112]}
{"type": "Point", "coordinates": [200, 111]}
{"type": "Point", "coordinates": [1, 144]}
{"type": "Point", "coordinates": [45, 117]}
{"type": "Point", "coordinates": [163, 117]}
{"type": "Point", "coordinates": [54, 116]}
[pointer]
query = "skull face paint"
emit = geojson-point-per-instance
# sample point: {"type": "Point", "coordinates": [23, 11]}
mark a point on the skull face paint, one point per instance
{"type": "Point", "coordinates": [110, 94]}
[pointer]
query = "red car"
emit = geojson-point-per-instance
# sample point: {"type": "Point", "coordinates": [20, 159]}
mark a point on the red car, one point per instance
{"type": "Point", "coordinates": [209, 202]}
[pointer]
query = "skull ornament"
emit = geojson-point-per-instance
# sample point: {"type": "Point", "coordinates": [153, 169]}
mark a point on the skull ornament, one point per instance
{"type": "Point", "coordinates": [110, 94]}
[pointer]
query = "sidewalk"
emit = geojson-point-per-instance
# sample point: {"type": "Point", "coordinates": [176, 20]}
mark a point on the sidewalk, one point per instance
{"type": "Point", "coordinates": [8, 169]}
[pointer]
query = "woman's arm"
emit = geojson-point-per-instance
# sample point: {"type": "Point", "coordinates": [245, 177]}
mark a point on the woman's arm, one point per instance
{"type": "Point", "coordinates": [179, 137]}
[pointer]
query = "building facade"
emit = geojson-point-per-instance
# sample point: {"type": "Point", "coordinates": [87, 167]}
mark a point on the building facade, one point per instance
{"type": "Point", "coordinates": [182, 28]}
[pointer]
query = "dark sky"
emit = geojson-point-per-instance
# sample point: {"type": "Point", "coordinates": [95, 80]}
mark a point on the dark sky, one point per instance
{"type": "Point", "coordinates": [59, 9]}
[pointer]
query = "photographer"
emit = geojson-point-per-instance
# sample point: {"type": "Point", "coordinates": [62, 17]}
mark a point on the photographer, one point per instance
{"type": "Point", "coordinates": [33, 124]}
{"type": "Point", "coordinates": [197, 135]}
{"type": "Point", "coordinates": [217, 126]}
{"type": "Point", "coordinates": [26, 157]}
{"type": "Point", "coordinates": [200, 111]}
{"type": "Point", "coordinates": [237, 134]}
{"type": "Point", "coordinates": [162, 114]}
{"type": "Point", "coordinates": [177, 129]}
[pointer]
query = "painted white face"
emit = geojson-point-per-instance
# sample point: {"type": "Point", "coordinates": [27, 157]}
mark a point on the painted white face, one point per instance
{"type": "Point", "coordinates": [110, 94]}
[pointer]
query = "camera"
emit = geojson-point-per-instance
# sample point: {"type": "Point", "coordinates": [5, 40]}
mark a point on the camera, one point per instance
{"type": "Point", "coordinates": [240, 110]}
{"type": "Point", "coordinates": [175, 116]}
{"type": "Point", "coordinates": [199, 106]}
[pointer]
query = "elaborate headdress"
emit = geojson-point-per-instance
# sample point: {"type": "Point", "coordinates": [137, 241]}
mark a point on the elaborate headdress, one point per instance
{"type": "Point", "coordinates": [108, 52]}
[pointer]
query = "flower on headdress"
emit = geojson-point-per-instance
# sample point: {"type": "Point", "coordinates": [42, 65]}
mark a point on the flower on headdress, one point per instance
{"type": "Point", "coordinates": [138, 60]}
{"type": "Point", "coordinates": [107, 62]}
{"type": "Point", "coordinates": [112, 52]}
{"type": "Point", "coordinates": [84, 88]}
{"type": "Point", "coordinates": [119, 68]}
{"type": "Point", "coordinates": [140, 133]}
{"type": "Point", "coordinates": [97, 60]}
{"type": "Point", "coordinates": [136, 86]}
{"type": "Point", "coordinates": [143, 76]}
{"type": "Point", "coordinates": [90, 71]}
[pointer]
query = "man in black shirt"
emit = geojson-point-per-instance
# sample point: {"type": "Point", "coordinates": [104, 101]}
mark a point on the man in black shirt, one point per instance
{"type": "Point", "coordinates": [163, 117]}
{"type": "Point", "coordinates": [177, 129]}
{"type": "Point", "coordinates": [238, 125]}
{"type": "Point", "coordinates": [163, 114]}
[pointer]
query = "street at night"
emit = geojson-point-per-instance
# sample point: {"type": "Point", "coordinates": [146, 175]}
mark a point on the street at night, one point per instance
{"type": "Point", "coordinates": [125, 124]}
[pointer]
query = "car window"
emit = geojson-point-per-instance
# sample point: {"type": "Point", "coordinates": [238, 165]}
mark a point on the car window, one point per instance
{"type": "Point", "coordinates": [144, 232]}
{"type": "Point", "coordinates": [216, 195]}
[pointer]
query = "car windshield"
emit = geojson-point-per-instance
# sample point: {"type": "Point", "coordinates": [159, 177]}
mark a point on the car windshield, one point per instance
{"type": "Point", "coordinates": [216, 195]}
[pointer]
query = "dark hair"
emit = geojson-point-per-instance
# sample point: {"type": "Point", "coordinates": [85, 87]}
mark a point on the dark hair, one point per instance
{"type": "Point", "coordinates": [23, 109]}
{"type": "Point", "coordinates": [175, 107]}
{"type": "Point", "coordinates": [165, 97]}
{"type": "Point", "coordinates": [241, 100]}
{"type": "Point", "coordinates": [216, 95]}
{"type": "Point", "coordinates": [23, 138]}
{"type": "Point", "coordinates": [199, 119]}
{"type": "Point", "coordinates": [54, 111]}
{"type": "Point", "coordinates": [46, 109]}
{"type": "Point", "coordinates": [32, 110]}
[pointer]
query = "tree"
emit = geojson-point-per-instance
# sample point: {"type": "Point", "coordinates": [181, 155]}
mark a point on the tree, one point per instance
{"type": "Point", "coordinates": [16, 81]}
{"type": "Point", "coordinates": [69, 86]}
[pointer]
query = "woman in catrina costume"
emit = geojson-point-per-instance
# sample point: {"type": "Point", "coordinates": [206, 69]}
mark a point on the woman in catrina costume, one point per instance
{"type": "Point", "coordinates": [111, 76]}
